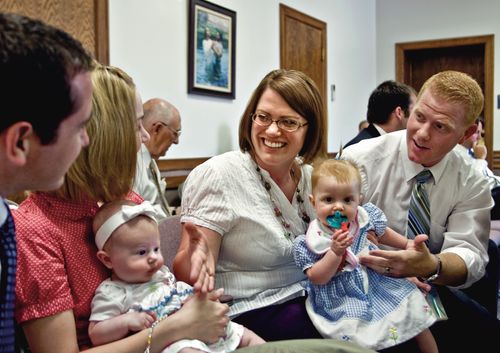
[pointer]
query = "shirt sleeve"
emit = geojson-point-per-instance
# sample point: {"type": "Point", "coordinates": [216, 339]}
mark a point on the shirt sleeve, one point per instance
{"type": "Point", "coordinates": [303, 257]}
{"type": "Point", "coordinates": [107, 302]}
{"type": "Point", "coordinates": [42, 284]}
{"type": "Point", "coordinates": [206, 198]}
{"type": "Point", "coordinates": [349, 154]}
{"type": "Point", "coordinates": [468, 228]}
{"type": "Point", "coordinates": [377, 219]}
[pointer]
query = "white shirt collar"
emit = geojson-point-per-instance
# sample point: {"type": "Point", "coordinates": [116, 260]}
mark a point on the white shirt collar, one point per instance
{"type": "Point", "coordinates": [3, 212]}
{"type": "Point", "coordinates": [379, 129]}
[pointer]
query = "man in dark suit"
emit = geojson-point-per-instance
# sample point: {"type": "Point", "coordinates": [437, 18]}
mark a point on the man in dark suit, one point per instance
{"type": "Point", "coordinates": [389, 107]}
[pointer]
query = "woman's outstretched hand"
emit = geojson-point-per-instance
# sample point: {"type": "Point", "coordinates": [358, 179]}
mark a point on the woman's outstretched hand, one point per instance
{"type": "Point", "coordinates": [202, 262]}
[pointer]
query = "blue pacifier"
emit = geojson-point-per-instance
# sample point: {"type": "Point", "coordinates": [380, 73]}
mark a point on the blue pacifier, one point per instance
{"type": "Point", "coordinates": [337, 220]}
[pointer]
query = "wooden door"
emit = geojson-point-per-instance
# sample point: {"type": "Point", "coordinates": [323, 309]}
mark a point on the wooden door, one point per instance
{"type": "Point", "coordinates": [303, 47]}
{"type": "Point", "coordinates": [86, 20]}
{"type": "Point", "coordinates": [417, 61]}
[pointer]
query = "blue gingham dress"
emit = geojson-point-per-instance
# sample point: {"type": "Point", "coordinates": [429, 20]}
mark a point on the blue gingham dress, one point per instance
{"type": "Point", "coordinates": [362, 305]}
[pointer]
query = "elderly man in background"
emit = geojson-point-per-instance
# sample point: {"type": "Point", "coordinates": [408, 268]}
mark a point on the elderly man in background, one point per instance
{"type": "Point", "coordinates": [163, 123]}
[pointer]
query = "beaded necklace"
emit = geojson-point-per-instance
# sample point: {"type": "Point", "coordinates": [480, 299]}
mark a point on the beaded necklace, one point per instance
{"type": "Point", "coordinates": [277, 212]}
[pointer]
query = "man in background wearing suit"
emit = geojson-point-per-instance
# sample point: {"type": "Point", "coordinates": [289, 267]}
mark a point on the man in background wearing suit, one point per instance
{"type": "Point", "coordinates": [163, 123]}
{"type": "Point", "coordinates": [389, 107]}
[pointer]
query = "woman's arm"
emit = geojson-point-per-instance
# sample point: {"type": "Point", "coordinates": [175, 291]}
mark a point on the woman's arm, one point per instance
{"type": "Point", "coordinates": [195, 260]}
{"type": "Point", "coordinates": [199, 318]}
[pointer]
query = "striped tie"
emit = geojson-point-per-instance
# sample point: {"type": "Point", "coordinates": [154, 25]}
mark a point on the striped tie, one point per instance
{"type": "Point", "coordinates": [8, 258]}
{"type": "Point", "coordinates": [419, 215]}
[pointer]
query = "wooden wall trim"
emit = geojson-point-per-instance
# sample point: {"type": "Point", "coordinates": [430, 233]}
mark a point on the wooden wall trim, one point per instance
{"type": "Point", "coordinates": [176, 171]}
{"type": "Point", "coordinates": [102, 31]}
{"type": "Point", "coordinates": [496, 160]}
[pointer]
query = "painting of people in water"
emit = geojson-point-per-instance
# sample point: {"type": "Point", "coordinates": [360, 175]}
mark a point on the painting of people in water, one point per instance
{"type": "Point", "coordinates": [212, 31]}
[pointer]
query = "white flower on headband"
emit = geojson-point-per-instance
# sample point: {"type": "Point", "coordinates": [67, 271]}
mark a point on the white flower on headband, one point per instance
{"type": "Point", "coordinates": [123, 215]}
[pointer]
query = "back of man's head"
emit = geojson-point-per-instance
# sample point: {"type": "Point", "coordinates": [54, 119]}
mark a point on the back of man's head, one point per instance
{"type": "Point", "coordinates": [163, 123]}
{"type": "Point", "coordinates": [385, 98]}
{"type": "Point", "coordinates": [157, 109]}
{"type": "Point", "coordinates": [37, 64]}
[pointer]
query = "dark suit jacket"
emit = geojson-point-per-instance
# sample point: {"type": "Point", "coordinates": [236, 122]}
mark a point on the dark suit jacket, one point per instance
{"type": "Point", "coordinates": [367, 133]}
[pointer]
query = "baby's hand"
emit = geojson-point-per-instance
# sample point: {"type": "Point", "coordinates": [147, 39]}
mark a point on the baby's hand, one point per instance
{"type": "Point", "coordinates": [410, 244]}
{"type": "Point", "coordinates": [372, 237]}
{"type": "Point", "coordinates": [139, 321]}
{"type": "Point", "coordinates": [340, 241]}
{"type": "Point", "coordinates": [424, 287]}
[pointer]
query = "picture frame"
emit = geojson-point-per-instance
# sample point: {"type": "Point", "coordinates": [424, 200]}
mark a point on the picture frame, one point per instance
{"type": "Point", "coordinates": [211, 49]}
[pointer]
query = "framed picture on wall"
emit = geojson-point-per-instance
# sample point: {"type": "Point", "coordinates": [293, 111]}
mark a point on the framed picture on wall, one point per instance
{"type": "Point", "coordinates": [211, 49]}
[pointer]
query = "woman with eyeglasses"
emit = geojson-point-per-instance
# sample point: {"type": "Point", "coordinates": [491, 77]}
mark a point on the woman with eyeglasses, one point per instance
{"type": "Point", "coordinates": [248, 206]}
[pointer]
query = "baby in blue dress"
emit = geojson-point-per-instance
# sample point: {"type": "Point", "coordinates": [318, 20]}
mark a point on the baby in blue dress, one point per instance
{"type": "Point", "coordinates": [347, 300]}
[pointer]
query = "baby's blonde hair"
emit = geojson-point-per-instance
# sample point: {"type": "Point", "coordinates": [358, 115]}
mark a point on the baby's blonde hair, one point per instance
{"type": "Point", "coordinates": [343, 171]}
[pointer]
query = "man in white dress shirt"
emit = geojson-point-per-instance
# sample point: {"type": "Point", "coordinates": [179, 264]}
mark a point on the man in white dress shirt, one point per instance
{"type": "Point", "coordinates": [163, 123]}
{"type": "Point", "coordinates": [456, 255]}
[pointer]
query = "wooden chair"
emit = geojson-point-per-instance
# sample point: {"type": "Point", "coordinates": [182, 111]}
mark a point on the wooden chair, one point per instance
{"type": "Point", "coordinates": [170, 238]}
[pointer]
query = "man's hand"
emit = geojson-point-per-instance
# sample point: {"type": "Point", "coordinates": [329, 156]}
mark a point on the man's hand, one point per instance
{"type": "Point", "coordinates": [414, 261]}
{"type": "Point", "coordinates": [424, 287]}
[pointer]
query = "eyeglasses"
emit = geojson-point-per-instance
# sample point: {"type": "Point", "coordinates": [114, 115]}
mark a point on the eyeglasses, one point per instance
{"type": "Point", "coordinates": [286, 124]}
{"type": "Point", "coordinates": [176, 133]}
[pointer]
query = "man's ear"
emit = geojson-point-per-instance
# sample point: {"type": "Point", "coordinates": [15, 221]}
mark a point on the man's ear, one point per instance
{"type": "Point", "coordinates": [17, 142]}
{"type": "Point", "coordinates": [399, 113]}
{"type": "Point", "coordinates": [156, 127]}
{"type": "Point", "coordinates": [468, 133]}
{"type": "Point", "coordinates": [104, 258]}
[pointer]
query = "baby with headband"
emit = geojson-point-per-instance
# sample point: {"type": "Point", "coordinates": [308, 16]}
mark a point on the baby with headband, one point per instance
{"type": "Point", "coordinates": [346, 300]}
{"type": "Point", "coordinates": [141, 290]}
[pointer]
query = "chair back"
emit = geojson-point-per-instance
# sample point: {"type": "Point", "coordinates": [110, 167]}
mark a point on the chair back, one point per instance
{"type": "Point", "coordinates": [170, 238]}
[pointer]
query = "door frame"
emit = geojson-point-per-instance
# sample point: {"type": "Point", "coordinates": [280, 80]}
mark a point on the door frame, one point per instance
{"type": "Point", "coordinates": [488, 42]}
{"type": "Point", "coordinates": [286, 11]}
{"type": "Point", "coordinates": [102, 31]}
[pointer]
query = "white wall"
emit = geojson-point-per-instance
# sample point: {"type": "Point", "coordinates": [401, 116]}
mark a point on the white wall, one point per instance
{"type": "Point", "coordinates": [410, 20]}
{"type": "Point", "coordinates": [148, 39]}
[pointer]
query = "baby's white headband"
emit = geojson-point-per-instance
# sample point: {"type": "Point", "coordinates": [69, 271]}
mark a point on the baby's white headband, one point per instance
{"type": "Point", "coordinates": [123, 215]}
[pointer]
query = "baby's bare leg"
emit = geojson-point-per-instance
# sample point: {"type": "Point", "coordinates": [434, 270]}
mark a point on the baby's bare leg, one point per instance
{"type": "Point", "coordinates": [250, 338]}
{"type": "Point", "coordinates": [189, 350]}
{"type": "Point", "coordinates": [426, 342]}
